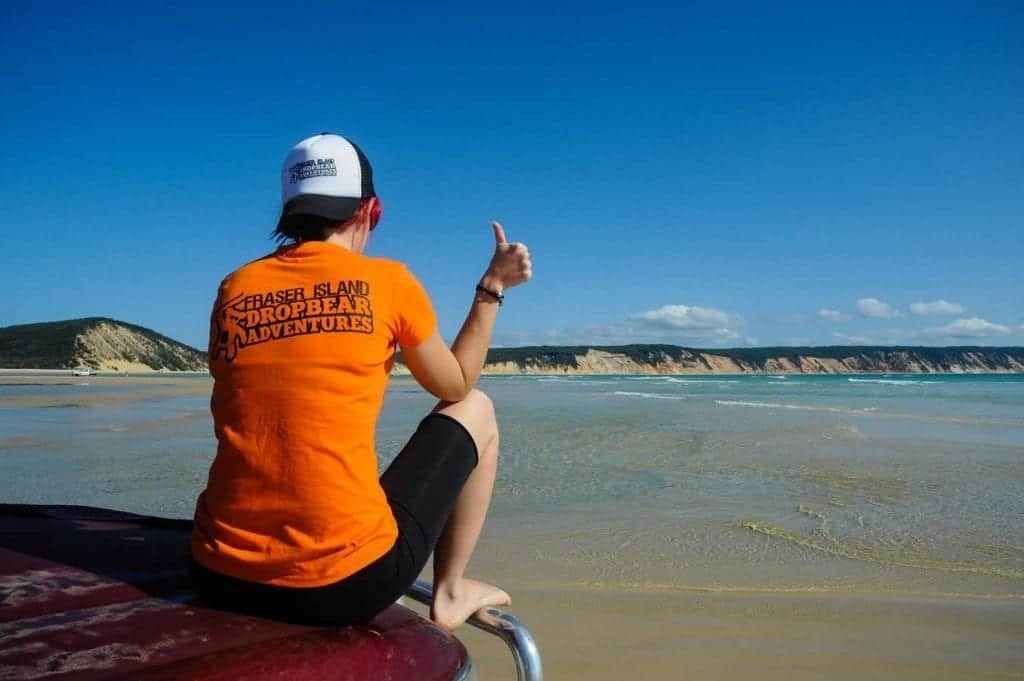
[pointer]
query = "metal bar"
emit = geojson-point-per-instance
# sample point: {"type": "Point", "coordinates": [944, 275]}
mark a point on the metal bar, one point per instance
{"type": "Point", "coordinates": [506, 627]}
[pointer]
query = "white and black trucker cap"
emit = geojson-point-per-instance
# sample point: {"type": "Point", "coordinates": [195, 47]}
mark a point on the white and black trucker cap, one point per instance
{"type": "Point", "coordinates": [325, 175]}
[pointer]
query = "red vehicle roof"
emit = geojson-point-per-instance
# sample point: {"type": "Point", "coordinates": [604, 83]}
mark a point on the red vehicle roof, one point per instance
{"type": "Point", "coordinates": [89, 593]}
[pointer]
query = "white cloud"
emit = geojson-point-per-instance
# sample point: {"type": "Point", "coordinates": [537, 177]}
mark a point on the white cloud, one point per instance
{"type": "Point", "coordinates": [950, 334]}
{"type": "Point", "coordinates": [832, 315]}
{"type": "Point", "coordinates": [974, 327]}
{"type": "Point", "coordinates": [675, 324]}
{"type": "Point", "coordinates": [936, 307]}
{"type": "Point", "coordinates": [688, 318]}
{"type": "Point", "coordinates": [873, 307]}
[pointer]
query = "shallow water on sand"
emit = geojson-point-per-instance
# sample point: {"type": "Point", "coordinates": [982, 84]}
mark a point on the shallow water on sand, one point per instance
{"type": "Point", "coordinates": [886, 488]}
{"type": "Point", "coordinates": [891, 484]}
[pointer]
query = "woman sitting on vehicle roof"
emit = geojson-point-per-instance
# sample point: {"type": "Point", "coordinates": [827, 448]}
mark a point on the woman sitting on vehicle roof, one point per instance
{"type": "Point", "coordinates": [294, 523]}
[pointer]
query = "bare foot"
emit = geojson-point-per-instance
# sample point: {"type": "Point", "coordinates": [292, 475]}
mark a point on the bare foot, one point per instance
{"type": "Point", "coordinates": [455, 603]}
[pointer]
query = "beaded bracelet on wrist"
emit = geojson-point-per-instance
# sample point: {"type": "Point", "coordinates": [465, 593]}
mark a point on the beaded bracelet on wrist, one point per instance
{"type": "Point", "coordinates": [500, 297]}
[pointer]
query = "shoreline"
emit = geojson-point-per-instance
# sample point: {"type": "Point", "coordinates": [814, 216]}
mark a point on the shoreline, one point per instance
{"type": "Point", "coordinates": [402, 372]}
{"type": "Point", "coordinates": [732, 374]}
{"type": "Point", "coordinates": [168, 374]}
{"type": "Point", "coordinates": [152, 386]}
{"type": "Point", "coordinates": [101, 373]}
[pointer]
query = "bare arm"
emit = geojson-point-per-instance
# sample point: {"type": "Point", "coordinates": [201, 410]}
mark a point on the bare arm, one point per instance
{"type": "Point", "coordinates": [451, 374]}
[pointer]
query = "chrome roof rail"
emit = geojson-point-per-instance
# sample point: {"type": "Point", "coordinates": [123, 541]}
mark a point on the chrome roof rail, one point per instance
{"type": "Point", "coordinates": [506, 627]}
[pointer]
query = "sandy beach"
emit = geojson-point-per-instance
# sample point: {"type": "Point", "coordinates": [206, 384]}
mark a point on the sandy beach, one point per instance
{"type": "Point", "coordinates": [614, 635]}
{"type": "Point", "coordinates": [151, 386]}
{"type": "Point", "coordinates": [615, 527]}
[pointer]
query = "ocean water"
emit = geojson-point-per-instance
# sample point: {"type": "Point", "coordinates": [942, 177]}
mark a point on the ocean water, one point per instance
{"type": "Point", "coordinates": [888, 484]}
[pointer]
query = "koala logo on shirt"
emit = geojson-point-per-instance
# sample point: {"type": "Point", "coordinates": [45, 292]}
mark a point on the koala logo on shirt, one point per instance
{"type": "Point", "coordinates": [227, 330]}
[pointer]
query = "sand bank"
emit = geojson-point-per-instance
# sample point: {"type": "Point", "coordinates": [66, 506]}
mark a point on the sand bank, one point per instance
{"type": "Point", "coordinates": [75, 393]}
{"type": "Point", "coordinates": [603, 635]}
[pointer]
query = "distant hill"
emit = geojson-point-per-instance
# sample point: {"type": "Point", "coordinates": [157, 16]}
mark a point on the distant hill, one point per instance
{"type": "Point", "coordinates": [97, 342]}
{"type": "Point", "coordinates": [109, 344]}
{"type": "Point", "coordinates": [672, 359]}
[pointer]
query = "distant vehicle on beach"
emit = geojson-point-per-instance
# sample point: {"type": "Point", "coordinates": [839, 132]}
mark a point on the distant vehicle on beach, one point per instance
{"type": "Point", "coordinates": [83, 371]}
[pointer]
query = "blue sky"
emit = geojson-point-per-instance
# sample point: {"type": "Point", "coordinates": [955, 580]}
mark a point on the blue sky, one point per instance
{"type": "Point", "coordinates": [701, 174]}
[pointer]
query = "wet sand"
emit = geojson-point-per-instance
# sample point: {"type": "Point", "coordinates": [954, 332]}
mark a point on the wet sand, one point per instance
{"type": "Point", "coordinates": [589, 624]}
{"type": "Point", "coordinates": [613, 635]}
{"type": "Point", "coordinates": [137, 388]}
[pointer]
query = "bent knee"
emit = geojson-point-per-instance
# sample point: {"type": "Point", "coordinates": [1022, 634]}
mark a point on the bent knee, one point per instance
{"type": "Point", "coordinates": [476, 404]}
{"type": "Point", "coordinates": [479, 400]}
{"type": "Point", "coordinates": [476, 413]}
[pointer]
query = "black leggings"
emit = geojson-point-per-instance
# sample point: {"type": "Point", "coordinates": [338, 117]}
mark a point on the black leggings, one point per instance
{"type": "Point", "coordinates": [421, 485]}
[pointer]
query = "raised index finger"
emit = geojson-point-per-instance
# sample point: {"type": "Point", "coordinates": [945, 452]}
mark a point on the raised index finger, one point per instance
{"type": "Point", "coordinates": [499, 233]}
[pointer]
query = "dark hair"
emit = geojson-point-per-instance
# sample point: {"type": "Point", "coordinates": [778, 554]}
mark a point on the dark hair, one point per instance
{"type": "Point", "coordinates": [304, 228]}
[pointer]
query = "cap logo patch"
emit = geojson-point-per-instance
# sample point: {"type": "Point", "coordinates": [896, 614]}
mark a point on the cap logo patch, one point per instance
{"type": "Point", "coordinates": [320, 167]}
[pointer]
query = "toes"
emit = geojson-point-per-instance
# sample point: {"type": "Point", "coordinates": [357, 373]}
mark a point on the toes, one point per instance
{"type": "Point", "coordinates": [496, 599]}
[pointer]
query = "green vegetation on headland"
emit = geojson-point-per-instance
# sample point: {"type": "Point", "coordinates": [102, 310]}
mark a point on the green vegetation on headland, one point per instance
{"type": "Point", "coordinates": [96, 342]}
{"type": "Point", "coordinates": [567, 356]}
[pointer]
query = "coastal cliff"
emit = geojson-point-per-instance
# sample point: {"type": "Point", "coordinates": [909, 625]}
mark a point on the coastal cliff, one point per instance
{"type": "Point", "coordinates": [96, 342]}
{"type": "Point", "coordinates": [108, 344]}
{"type": "Point", "coordinates": [671, 359]}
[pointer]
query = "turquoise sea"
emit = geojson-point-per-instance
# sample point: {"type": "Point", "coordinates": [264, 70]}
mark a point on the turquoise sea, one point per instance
{"type": "Point", "coordinates": [903, 484]}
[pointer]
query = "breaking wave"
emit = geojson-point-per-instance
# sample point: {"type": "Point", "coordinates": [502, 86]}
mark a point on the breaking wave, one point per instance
{"type": "Point", "coordinates": [890, 381]}
{"type": "Point", "coordinates": [801, 407]}
{"type": "Point", "coordinates": [651, 396]}
{"type": "Point", "coordinates": [699, 380]}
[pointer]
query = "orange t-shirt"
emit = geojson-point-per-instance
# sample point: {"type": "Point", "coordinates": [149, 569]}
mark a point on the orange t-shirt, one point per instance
{"type": "Point", "coordinates": [301, 346]}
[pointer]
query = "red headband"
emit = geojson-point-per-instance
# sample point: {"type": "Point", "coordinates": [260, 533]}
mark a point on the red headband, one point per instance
{"type": "Point", "coordinates": [375, 213]}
